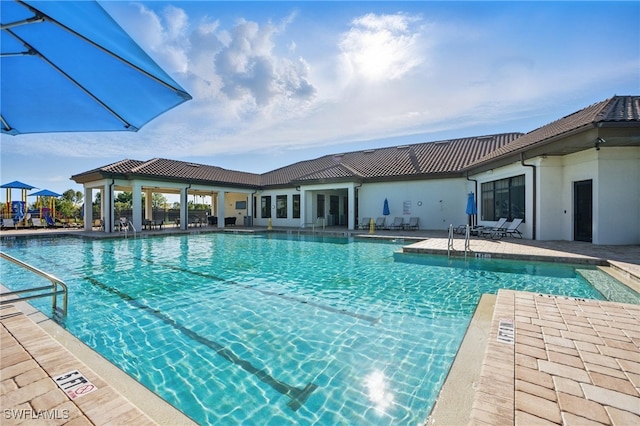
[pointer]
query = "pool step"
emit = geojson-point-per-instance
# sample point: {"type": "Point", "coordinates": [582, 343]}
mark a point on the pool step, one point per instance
{"type": "Point", "coordinates": [610, 288]}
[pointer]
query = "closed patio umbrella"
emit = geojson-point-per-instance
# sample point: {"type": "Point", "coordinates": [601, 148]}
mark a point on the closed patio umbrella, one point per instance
{"type": "Point", "coordinates": [472, 210]}
{"type": "Point", "coordinates": [385, 208]}
{"type": "Point", "coordinates": [67, 66]}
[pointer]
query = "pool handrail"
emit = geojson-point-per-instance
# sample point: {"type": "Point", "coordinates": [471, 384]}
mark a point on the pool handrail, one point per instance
{"type": "Point", "coordinates": [54, 288]}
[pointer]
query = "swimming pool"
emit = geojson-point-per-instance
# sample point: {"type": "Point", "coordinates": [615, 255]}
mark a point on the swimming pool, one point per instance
{"type": "Point", "coordinates": [276, 329]}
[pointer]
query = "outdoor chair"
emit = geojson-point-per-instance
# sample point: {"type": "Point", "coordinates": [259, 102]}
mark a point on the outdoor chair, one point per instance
{"type": "Point", "coordinates": [495, 232]}
{"type": "Point", "coordinates": [364, 223]}
{"type": "Point", "coordinates": [398, 223]}
{"type": "Point", "coordinates": [413, 223]}
{"type": "Point", "coordinates": [380, 222]}
{"type": "Point", "coordinates": [37, 222]}
{"type": "Point", "coordinates": [8, 223]}
{"type": "Point", "coordinates": [511, 230]}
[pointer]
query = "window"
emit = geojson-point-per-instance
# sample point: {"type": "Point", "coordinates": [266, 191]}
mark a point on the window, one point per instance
{"type": "Point", "coordinates": [281, 206]}
{"type": "Point", "coordinates": [320, 205]}
{"type": "Point", "coordinates": [265, 206]}
{"type": "Point", "coordinates": [296, 206]}
{"type": "Point", "coordinates": [503, 198]}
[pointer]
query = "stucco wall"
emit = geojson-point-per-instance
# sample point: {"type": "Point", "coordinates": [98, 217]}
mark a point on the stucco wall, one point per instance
{"type": "Point", "coordinates": [554, 213]}
{"type": "Point", "coordinates": [618, 195]}
{"type": "Point", "coordinates": [438, 202]}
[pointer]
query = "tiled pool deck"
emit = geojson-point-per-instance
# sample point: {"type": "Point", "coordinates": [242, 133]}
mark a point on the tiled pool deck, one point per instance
{"type": "Point", "coordinates": [557, 360]}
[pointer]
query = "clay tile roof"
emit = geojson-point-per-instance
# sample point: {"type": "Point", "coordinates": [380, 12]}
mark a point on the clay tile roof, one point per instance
{"type": "Point", "coordinates": [614, 110]}
{"type": "Point", "coordinates": [163, 168]}
{"type": "Point", "coordinates": [442, 157]}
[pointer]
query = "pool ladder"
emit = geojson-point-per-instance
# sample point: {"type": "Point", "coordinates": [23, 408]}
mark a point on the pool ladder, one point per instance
{"type": "Point", "coordinates": [128, 226]}
{"type": "Point", "coordinates": [450, 247]}
{"type": "Point", "coordinates": [53, 289]}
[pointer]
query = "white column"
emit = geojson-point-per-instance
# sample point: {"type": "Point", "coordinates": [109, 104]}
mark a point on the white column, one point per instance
{"type": "Point", "coordinates": [88, 210]}
{"type": "Point", "coordinates": [303, 208]}
{"type": "Point", "coordinates": [184, 208]}
{"type": "Point", "coordinates": [148, 204]}
{"type": "Point", "coordinates": [108, 208]}
{"type": "Point", "coordinates": [351, 203]}
{"type": "Point", "coordinates": [221, 209]}
{"type": "Point", "coordinates": [136, 195]}
{"type": "Point", "coordinates": [250, 208]}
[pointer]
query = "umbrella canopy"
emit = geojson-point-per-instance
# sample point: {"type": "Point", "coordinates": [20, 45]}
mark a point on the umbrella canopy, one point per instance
{"type": "Point", "coordinates": [385, 208]}
{"type": "Point", "coordinates": [471, 204]}
{"type": "Point", "coordinates": [68, 66]}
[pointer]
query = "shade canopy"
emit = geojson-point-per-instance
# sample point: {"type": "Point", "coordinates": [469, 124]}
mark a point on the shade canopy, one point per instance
{"type": "Point", "coordinates": [45, 193]}
{"type": "Point", "coordinates": [17, 185]}
{"type": "Point", "coordinates": [67, 66]}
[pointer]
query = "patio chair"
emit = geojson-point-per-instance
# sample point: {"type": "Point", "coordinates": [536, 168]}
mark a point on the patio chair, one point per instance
{"type": "Point", "coordinates": [413, 223]}
{"type": "Point", "coordinates": [511, 230]}
{"type": "Point", "coordinates": [8, 223]}
{"type": "Point", "coordinates": [37, 222]}
{"type": "Point", "coordinates": [380, 222]}
{"type": "Point", "coordinates": [495, 232]}
{"type": "Point", "coordinates": [398, 223]}
{"type": "Point", "coordinates": [364, 223]}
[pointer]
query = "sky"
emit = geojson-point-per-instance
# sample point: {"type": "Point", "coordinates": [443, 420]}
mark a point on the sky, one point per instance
{"type": "Point", "coordinates": [274, 83]}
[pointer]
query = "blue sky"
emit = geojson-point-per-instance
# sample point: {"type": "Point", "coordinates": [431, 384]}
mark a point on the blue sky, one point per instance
{"type": "Point", "coordinates": [278, 82]}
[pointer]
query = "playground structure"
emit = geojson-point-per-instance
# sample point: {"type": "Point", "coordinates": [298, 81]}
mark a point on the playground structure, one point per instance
{"type": "Point", "coordinates": [17, 211]}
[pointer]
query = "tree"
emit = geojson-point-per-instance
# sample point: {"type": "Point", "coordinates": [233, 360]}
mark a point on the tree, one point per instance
{"type": "Point", "coordinates": [158, 200]}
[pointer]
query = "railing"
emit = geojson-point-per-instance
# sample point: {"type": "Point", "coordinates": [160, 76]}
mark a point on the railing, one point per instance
{"type": "Point", "coordinates": [450, 247]}
{"type": "Point", "coordinates": [466, 242]}
{"type": "Point", "coordinates": [54, 291]}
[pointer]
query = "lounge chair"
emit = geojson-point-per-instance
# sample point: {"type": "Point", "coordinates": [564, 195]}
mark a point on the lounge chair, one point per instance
{"type": "Point", "coordinates": [364, 223]}
{"type": "Point", "coordinates": [8, 223]}
{"type": "Point", "coordinates": [413, 223]}
{"type": "Point", "coordinates": [496, 231]}
{"type": "Point", "coordinates": [511, 230]}
{"type": "Point", "coordinates": [380, 222]}
{"type": "Point", "coordinates": [398, 223]}
{"type": "Point", "coordinates": [37, 222]}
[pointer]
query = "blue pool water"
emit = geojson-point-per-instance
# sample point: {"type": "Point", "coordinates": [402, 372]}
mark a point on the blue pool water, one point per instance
{"type": "Point", "coordinates": [275, 329]}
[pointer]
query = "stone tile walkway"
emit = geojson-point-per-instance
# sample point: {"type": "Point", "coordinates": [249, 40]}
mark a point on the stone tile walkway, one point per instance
{"type": "Point", "coordinates": [555, 360]}
{"type": "Point", "coordinates": [558, 360]}
{"type": "Point", "coordinates": [30, 360]}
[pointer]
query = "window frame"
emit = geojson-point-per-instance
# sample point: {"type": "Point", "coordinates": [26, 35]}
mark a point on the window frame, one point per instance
{"type": "Point", "coordinates": [504, 198]}
{"type": "Point", "coordinates": [281, 209]}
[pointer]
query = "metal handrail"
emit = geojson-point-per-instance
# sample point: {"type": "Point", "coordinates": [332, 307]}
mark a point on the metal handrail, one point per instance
{"type": "Point", "coordinates": [55, 282]}
{"type": "Point", "coordinates": [450, 241]}
{"type": "Point", "coordinates": [466, 242]}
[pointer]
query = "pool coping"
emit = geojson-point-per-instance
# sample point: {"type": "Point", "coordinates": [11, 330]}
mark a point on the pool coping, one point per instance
{"type": "Point", "coordinates": [146, 406]}
{"type": "Point", "coordinates": [559, 360]}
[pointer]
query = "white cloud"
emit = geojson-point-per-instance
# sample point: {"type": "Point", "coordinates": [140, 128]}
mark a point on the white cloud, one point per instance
{"type": "Point", "coordinates": [381, 47]}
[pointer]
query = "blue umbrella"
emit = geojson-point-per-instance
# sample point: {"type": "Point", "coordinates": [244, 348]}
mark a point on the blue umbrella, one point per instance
{"type": "Point", "coordinates": [68, 66]}
{"type": "Point", "coordinates": [471, 204]}
{"type": "Point", "coordinates": [472, 210]}
{"type": "Point", "coordinates": [385, 208]}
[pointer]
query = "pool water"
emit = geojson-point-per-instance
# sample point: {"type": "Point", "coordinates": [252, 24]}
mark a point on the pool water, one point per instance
{"type": "Point", "coordinates": [276, 329]}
